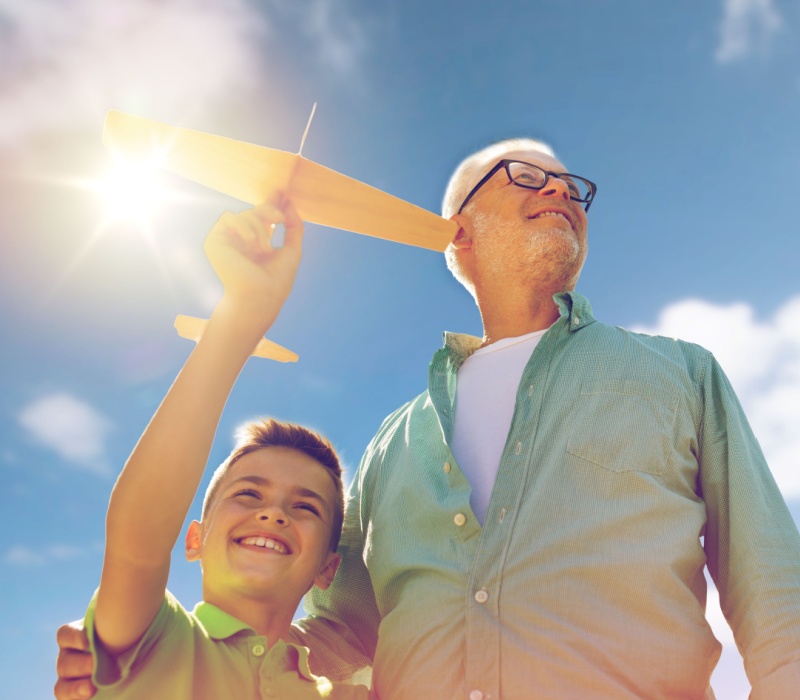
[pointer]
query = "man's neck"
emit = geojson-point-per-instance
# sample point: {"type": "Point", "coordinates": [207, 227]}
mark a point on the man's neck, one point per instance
{"type": "Point", "coordinates": [516, 314]}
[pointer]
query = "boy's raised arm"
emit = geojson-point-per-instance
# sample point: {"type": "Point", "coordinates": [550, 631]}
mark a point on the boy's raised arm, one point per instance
{"type": "Point", "coordinates": [155, 489]}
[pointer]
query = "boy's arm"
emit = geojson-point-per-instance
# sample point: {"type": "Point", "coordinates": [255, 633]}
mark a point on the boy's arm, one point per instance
{"type": "Point", "coordinates": [155, 489]}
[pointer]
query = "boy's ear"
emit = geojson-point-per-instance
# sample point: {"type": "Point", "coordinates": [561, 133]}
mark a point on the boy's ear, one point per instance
{"type": "Point", "coordinates": [325, 576]}
{"type": "Point", "coordinates": [194, 541]}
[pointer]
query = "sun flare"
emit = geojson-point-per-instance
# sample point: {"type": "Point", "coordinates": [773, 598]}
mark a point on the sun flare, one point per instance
{"type": "Point", "coordinates": [132, 191]}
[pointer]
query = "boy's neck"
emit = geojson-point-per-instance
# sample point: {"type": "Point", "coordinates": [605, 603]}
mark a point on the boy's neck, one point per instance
{"type": "Point", "coordinates": [269, 618]}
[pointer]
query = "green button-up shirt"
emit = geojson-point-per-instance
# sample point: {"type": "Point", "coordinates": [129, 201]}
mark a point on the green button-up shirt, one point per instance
{"type": "Point", "coordinates": [207, 655]}
{"type": "Point", "coordinates": [628, 467]}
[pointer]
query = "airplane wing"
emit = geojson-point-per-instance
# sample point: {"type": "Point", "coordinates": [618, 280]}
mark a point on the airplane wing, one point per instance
{"type": "Point", "coordinates": [192, 328]}
{"type": "Point", "coordinates": [253, 173]}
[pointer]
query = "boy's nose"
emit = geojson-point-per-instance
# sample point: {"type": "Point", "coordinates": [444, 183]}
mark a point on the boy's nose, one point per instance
{"type": "Point", "coordinates": [273, 514]}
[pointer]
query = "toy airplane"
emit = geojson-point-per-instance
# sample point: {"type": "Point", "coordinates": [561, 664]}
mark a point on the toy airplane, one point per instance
{"type": "Point", "coordinates": [254, 173]}
{"type": "Point", "coordinates": [192, 328]}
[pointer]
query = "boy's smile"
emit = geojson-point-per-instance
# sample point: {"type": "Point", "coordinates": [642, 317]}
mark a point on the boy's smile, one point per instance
{"type": "Point", "coordinates": [267, 534]}
{"type": "Point", "coordinates": [268, 542]}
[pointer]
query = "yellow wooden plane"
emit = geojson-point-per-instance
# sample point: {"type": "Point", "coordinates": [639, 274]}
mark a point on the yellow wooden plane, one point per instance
{"type": "Point", "coordinates": [255, 173]}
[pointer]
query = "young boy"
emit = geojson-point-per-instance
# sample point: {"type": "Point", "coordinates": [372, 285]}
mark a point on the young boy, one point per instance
{"type": "Point", "coordinates": [270, 523]}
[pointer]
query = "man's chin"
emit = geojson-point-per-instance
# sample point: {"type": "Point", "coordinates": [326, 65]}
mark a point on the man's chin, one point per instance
{"type": "Point", "coordinates": [561, 265]}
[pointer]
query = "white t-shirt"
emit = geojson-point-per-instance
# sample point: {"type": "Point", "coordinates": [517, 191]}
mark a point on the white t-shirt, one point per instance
{"type": "Point", "coordinates": [486, 392]}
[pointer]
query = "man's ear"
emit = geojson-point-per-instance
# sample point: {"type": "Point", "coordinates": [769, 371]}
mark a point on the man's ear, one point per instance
{"type": "Point", "coordinates": [463, 238]}
{"type": "Point", "coordinates": [325, 576]}
{"type": "Point", "coordinates": [194, 541]}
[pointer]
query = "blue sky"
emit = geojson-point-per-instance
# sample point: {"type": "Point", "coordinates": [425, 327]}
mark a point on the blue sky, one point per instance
{"type": "Point", "coordinates": [684, 113]}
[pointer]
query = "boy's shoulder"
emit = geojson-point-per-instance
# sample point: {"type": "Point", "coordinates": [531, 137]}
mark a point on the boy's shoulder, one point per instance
{"type": "Point", "coordinates": [172, 626]}
{"type": "Point", "coordinates": [206, 653]}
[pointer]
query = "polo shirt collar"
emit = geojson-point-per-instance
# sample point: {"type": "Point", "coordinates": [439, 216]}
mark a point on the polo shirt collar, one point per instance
{"type": "Point", "coordinates": [218, 623]}
{"type": "Point", "coordinates": [221, 625]}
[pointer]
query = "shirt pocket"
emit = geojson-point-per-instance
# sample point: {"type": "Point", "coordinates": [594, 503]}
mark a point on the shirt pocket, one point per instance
{"type": "Point", "coordinates": [624, 426]}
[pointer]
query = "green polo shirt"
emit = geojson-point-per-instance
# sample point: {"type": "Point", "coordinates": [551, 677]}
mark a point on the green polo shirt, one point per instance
{"type": "Point", "coordinates": [207, 655]}
{"type": "Point", "coordinates": [628, 468]}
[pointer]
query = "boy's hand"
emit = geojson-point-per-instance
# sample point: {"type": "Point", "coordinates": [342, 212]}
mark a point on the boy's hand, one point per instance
{"type": "Point", "coordinates": [256, 277]}
{"type": "Point", "coordinates": [74, 664]}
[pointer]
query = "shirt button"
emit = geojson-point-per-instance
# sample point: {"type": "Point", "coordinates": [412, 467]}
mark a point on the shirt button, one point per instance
{"type": "Point", "coordinates": [460, 519]}
{"type": "Point", "coordinates": [482, 596]}
{"type": "Point", "coordinates": [258, 650]}
{"type": "Point", "coordinates": [530, 390]}
{"type": "Point", "coordinates": [475, 695]}
{"type": "Point", "coordinates": [446, 467]}
{"type": "Point", "coordinates": [518, 448]}
{"type": "Point", "coordinates": [576, 320]}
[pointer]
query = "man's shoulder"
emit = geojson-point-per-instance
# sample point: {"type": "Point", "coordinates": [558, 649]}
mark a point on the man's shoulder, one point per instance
{"type": "Point", "coordinates": [611, 353]}
{"type": "Point", "coordinates": [635, 341]}
{"type": "Point", "coordinates": [617, 339]}
{"type": "Point", "coordinates": [402, 416]}
{"type": "Point", "coordinates": [413, 417]}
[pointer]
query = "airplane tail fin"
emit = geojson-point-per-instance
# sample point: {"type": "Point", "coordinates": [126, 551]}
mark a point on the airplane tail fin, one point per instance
{"type": "Point", "coordinates": [192, 328]}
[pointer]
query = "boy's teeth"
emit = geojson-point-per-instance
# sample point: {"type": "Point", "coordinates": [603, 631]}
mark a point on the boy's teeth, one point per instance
{"type": "Point", "coordinates": [266, 543]}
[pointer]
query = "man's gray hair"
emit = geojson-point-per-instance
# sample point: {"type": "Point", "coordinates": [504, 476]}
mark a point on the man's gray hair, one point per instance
{"type": "Point", "coordinates": [469, 171]}
{"type": "Point", "coordinates": [467, 175]}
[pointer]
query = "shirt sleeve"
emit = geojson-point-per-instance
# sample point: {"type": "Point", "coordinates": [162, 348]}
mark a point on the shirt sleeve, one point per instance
{"type": "Point", "coordinates": [341, 627]}
{"type": "Point", "coordinates": [751, 541]}
{"type": "Point", "coordinates": [110, 670]}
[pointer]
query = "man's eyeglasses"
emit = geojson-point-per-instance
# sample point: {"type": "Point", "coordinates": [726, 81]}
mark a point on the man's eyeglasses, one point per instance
{"type": "Point", "coordinates": [532, 177]}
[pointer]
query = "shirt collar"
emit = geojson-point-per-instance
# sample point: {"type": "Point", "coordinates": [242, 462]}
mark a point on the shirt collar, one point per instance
{"type": "Point", "coordinates": [572, 306]}
{"type": "Point", "coordinates": [220, 625]}
{"type": "Point", "coordinates": [575, 308]}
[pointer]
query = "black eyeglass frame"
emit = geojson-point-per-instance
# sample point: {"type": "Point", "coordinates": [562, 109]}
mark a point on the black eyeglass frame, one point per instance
{"type": "Point", "coordinates": [547, 175]}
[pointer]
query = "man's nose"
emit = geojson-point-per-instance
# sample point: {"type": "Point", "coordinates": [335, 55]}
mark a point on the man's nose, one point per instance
{"type": "Point", "coordinates": [554, 187]}
{"type": "Point", "coordinates": [273, 514]}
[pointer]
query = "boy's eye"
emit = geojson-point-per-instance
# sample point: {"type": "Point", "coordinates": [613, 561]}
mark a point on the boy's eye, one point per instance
{"type": "Point", "coordinates": [309, 507]}
{"type": "Point", "coordinates": [247, 492]}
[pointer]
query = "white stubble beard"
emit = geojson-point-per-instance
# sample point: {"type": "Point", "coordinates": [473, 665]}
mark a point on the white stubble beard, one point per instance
{"type": "Point", "coordinates": [551, 254]}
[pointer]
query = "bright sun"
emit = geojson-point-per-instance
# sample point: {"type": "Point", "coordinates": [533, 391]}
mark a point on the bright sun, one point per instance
{"type": "Point", "coordinates": [133, 191]}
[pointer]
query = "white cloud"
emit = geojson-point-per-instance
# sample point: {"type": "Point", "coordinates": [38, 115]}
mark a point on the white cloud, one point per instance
{"type": "Point", "coordinates": [747, 25]}
{"type": "Point", "coordinates": [762, 360]}
{"type": "Point", "coordinates": [23, 557]}
{"type": "Point", "coordinates": [26, 557]}
{"type": "Point", "coordinates": [63, 64]}
{"type": "Point", "coordinates": [65, 551]}
{"type": "Point", "coordinates": [71, 428]}
{"type": "Point", "coordinates": [339, 36]}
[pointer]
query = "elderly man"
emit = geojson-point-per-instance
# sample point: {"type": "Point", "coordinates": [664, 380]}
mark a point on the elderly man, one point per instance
{"type": "Point", "coordinates": [536, 524]}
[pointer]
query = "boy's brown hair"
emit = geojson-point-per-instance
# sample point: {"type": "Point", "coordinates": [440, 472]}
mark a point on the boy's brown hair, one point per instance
{"type": "Point", "coordinates": [268, 432]}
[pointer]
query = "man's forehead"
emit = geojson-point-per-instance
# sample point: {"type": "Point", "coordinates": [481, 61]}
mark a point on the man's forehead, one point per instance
{"type": "Point", "coordinates": [530, 155]}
